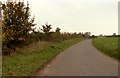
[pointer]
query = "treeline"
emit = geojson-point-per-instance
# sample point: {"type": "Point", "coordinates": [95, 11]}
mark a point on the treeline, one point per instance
{"type": "Point", "coordinates": [18, 29]}
{"type": "Point", "coordinates": [113, 35]}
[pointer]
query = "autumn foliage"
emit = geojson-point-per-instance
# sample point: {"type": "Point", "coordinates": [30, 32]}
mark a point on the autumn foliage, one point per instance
{"type": "Point", "coordinates": [16, 25]}
{"type": "Point", "coordinates": [18, 28]}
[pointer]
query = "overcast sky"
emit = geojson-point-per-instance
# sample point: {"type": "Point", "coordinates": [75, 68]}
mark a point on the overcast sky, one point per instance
{"type": "Point", "coordinates": [95, 16]}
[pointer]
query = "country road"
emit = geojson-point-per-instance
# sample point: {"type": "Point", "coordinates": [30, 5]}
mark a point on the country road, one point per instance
{"type": "Point", "coordinates": [82, 59]}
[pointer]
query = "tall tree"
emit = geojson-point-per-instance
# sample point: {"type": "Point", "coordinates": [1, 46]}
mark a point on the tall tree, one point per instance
{"type": "Point", "coordinates": [57, 30]}
{"type": "Point", "coordinates": [46, 29]}
{"type": "Point", "coordinates": [16, 24]}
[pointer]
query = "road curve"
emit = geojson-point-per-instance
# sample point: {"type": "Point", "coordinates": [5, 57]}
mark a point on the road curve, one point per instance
{"type": "Point", "coordinates": [82, 59]}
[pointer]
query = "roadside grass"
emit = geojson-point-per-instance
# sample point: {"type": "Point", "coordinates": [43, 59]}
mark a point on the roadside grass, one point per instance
{"type": "Point", "coordinates": [108, 45]}
{"type": "Point", "coordinates": [32, 57]}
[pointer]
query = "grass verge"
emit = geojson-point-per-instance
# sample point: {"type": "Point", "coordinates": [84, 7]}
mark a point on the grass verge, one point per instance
{"type": "Point", "coordinates": [32, 57]}
{"type": "Point", "coordinates": [108, 45]}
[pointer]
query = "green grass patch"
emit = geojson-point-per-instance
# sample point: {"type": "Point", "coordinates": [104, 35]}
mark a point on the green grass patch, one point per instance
{"type": "Point", "coordinates": [108, 45]}
{"type": "Point", "coordinates": [32, 57]}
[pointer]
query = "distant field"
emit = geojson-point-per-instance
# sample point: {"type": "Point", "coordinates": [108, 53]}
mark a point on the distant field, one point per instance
{"type": "Point", "coordinates": [108, 45]}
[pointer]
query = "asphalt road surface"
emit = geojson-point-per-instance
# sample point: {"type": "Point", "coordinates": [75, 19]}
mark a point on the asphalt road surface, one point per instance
{"type": "Point", "coordinates": [82, 59]}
